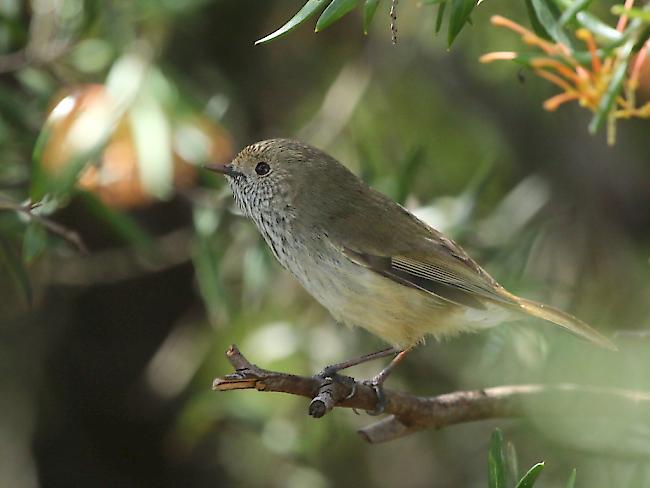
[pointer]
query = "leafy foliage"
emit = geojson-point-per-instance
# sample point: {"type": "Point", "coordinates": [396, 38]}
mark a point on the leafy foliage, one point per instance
{"type": "Point", "coordinates": [599, 77]}
{"type": "Point", "coordinates": [602, 73]}
{"type": "Point", "coordinates": [459, 15]}
{"type": "Point", "coordinates": [499, 458]}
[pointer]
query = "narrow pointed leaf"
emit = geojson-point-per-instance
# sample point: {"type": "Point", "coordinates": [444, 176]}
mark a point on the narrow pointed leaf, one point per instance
{"type": "Point", "coordinates": [615, 85]}
{"type": "Point", "coordinates": [38, 187]}
{"type": "Point", "coordinates": [598, 27]}
{"type": "Point", "coordinates": [307, 11]}
{"type": "Point", "coordinates": [369, 10]}
{"type": "Point", "coordinates": [511, 453]}
{"type": "Point", "coordinates": [537, 26]}
{"type": "Point", "coordinates": [458, 16]}
{"type": "Point", "coordinates": [569, 14]}
{"type": "Point", "coordinates": [413, 161]}
{"type": "Point", "coordinates": [548, 15]}
{"type": "Point", "coordinates": [528, 480]}
{"type": "Point", "coordinates": [496, 461]}
{"type": "Point", "coordinates": [571, 482]}
{"type": "Point", "coordinates": [635, 13]}
{"type": "Point", "coordinates": [152, 138]}
{"type": "Point", "coordinates": [11, 262]}
{"type": "Point", "coordinates": [334, 11]}
{"type": "Point", "coordinates": [34, 241]}
{"type": "Point", "coordinates": [441, 15]}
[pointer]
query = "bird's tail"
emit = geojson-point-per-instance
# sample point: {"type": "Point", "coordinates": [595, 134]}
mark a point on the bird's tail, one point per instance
{"type": "Point", "coordinates": [569, 322]}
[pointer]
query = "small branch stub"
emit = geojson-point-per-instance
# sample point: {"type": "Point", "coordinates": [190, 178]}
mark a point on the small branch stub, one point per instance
{"type": "Point", "coordinates": [332, 391]}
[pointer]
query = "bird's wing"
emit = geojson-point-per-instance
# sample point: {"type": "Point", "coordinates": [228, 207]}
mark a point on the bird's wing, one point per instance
{"type": "Point", "coordinates": [386, 238]}
{"type": "Point", "coordinates": [445, 278]}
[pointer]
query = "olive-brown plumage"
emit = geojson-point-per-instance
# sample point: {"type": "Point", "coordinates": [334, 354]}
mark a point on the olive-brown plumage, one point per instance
{"type": "Point", "coordinates": [368, 260]}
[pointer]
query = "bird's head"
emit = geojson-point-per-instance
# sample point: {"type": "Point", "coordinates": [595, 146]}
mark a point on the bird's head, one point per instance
{"type": "Point", "coordinates": [276, 174]}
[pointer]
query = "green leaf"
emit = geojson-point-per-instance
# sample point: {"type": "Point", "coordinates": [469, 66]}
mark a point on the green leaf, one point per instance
{"type": "Point", "coordinates": [308, 10]}
{"type": "Point", "coordinates": [152, 138]}
{"type": "Point", "coordinates": [538, 28]}
{"type": "Point", "coordinates": [569, 14]}
{"type": "Point", "coordinates": [334, 11]}
{"type": "Point", "coordinates": [496, 461]}
{"type": "Point", "coordinates": [460, 12]}
{"type": "Point", "coordinates": [34, 240]}
{"type": "Point", "coordinates": [369, 10]}
{"type": "Point", "coordinates": [38, 187]}
{"type": "Point", "coordinates": [529, 478]}
{"type": "Point", "coordinates": [207, 254]}
{"type": "Point", "coordinates": [511, 453]}
{"type": "Point", "coordinates": [409, 168]}
{"type": "Point", "coordinates": [603, 32]}
{"type": "Point", "coordinates": [598, 27]}
{"type": "Point", "coordinates": [635, 13]}
{"type": "Point", "coordinates": [12, 263]}
{"type": "Point", "coordinates": [548, 15]}
{"type": "Point", "coordinates": [615, 85]}
{"type": "Point", "coordinates": [571, 482]}
{"type": "Point", "coordinates": [440, 16]}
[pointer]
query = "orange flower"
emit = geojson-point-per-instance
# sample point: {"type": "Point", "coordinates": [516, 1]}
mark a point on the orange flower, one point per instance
{"type": "Point", "coordinates": [585, 84]}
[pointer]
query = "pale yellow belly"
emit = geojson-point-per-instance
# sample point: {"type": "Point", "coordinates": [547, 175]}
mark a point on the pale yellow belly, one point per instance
{"type": "Point", "coordinates": [400, 315]}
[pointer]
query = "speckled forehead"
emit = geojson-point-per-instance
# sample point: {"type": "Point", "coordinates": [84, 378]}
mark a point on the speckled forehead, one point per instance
{"type": "Point", "coordinates": [272, 149]}
{"type": "Point", "coordinates": [263, 145]}
{"type": "Point", "coordinates": [258, 149]}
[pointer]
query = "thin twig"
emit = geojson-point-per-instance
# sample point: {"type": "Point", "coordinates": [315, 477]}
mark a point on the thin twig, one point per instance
{"type": "Point", "coordinates": [13, 61]}
{"type": "Point", "coordinates": [409, 413]}
{"type": "Point", "coordinates": [42, 44]}
{"type": "Point", "coordinates": [54, 227]}
{"type": "Point", "coordinates": [393, 21]}
{"type": "Point", "coordinates": [119, 263]}
{"type": "Point", "coordinates": [30, 57]}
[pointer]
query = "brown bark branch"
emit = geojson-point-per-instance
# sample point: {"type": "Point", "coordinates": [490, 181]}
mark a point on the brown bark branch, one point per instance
{"type": "Point", "coordinates": [409, 413]}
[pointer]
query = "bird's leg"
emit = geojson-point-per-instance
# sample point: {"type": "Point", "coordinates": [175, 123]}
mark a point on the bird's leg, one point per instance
{"type": "Point", "coordinates": [377, 383]}
{"type": "Point", "coordinates": [328, 373]}
{"type": "Point", "coordinates": [332, 369]}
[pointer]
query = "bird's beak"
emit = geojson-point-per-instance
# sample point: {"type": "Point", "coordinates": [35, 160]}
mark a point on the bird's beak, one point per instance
{"type": "Point", "coordinates": [224, 169]}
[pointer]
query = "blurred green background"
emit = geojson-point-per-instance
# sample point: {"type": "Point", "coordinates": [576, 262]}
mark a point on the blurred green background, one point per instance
{"type": "Point", "coordinates": [107, 356]}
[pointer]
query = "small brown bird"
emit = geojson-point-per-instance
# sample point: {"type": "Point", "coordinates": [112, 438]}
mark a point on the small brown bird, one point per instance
{"type": "Point", "coordinates": [368, 260]}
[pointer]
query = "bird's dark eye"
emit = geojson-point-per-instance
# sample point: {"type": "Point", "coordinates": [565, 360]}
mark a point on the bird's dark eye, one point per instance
{"type": "Point", "coordinates": [262, 168]}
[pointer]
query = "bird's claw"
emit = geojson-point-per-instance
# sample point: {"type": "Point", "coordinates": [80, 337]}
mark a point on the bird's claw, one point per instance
{"type": "Point", "coordinates": [353, 390]}
{"type": "Point", "coordinates": [328, 377]}
{"type": "Point", "coordinates": [378, 388]}
{"type": "Point", "coordinates": [327, 372]}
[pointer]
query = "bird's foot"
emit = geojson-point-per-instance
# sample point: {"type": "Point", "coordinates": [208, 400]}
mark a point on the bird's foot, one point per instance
{"type": "Point", "coordinates": [329, 375]}
{"type": "Point", "coordinates": [328, 372]}
{"type": "Point", "coordinates": [377, 386]}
